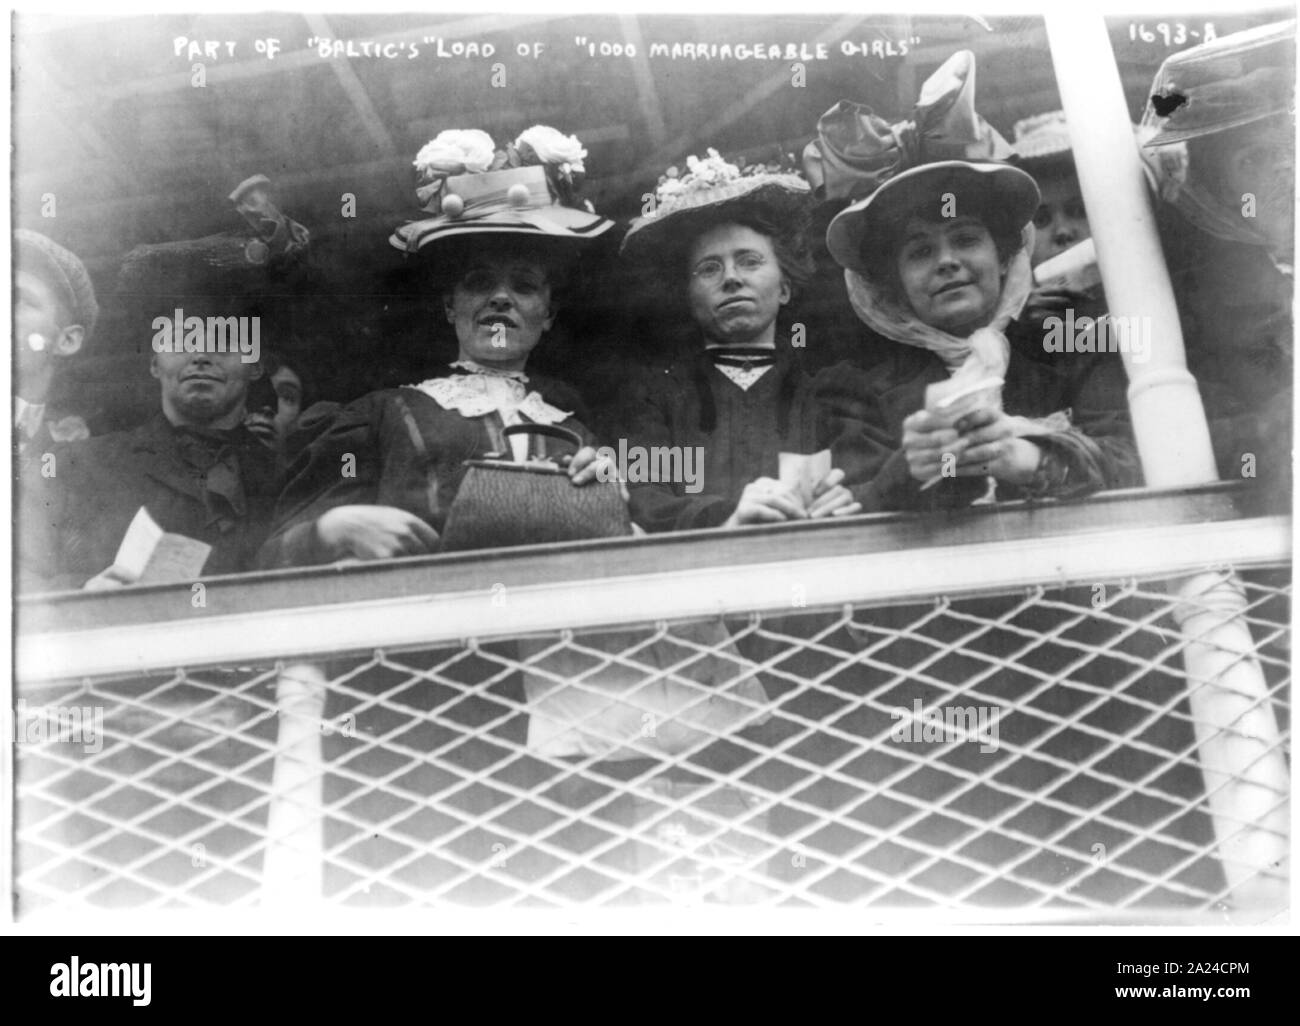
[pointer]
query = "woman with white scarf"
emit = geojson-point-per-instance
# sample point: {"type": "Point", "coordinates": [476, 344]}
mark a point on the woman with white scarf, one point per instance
{"type": "Point", "coordinates": [936, 257]}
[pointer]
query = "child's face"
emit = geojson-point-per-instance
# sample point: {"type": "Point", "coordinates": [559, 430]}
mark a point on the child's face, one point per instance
{"type": "Point", "coordinates": [1060, 221]}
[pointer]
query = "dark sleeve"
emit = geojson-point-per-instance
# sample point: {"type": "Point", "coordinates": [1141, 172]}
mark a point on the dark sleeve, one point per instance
{"type": "Point", "coordinates": [578, 426]}
{"type": "Point", "coordinates": [338, 464]}
{"type": "Point", "coordinates": [1256, 447]}
{"type": "Point", "coordinates": [1098, 451]}
{"type": "Point", "coordinates": [43, 530]}
{"type": "Point", "coordinates": [563, 396]}
{"type": "Point", "coordinates": [867, 447]}
{"type": "Point", "coordinates": [661, 506]}
{"type": "Point", "coordinates": [311, 422]}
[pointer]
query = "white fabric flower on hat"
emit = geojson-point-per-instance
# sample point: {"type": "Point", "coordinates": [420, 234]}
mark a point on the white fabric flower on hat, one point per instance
{"type": "Point", "coordinates": [701, 174]}
{"type": "Point", "coordinates": [553, 147]}
{"type": "Point", "coordinates": [712, 170]}
{"type": "Point", "coordinates": [456, 152]}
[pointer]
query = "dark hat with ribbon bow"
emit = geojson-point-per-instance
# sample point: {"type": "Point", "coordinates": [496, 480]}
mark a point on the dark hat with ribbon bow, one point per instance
{"type": "Point", "coordinates": [856, 151]}
{"type": "Point", "coordinates": [1223, 84]}
{"type": "Point", "coordinates": [891, 170]}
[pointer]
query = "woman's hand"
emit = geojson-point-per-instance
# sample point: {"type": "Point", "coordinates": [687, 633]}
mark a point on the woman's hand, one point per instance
{"type": "Point", "coordinates": [766, 501]}
{"type": "Point", "coordinates": [1052, 301]}
{"type": "Point", "coordinates": [586, 466]}
{"type": "Point", "coordinates": [832, 499]}
{"type": "Point", "coordinates": [374, 532]}
{"type": "Point", "coordinates": [927, 439]}
{"type": "Point", "coordinates": [990, 448]}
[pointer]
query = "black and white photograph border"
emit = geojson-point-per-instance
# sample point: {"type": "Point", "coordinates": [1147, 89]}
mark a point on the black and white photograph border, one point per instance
{"type": "Point", "coordinates": [419, 421]}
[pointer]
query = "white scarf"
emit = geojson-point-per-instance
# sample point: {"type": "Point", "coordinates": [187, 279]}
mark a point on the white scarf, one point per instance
{"type": "Point", "coordinates": [981, 357]}
{"type": "Point", "coordinates": [893, 317]}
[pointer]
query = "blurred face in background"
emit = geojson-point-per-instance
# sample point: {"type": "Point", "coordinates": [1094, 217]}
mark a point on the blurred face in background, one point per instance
{"type": "Point", "coordinates": [1060, 221]}
{"type": "Point", "coordinates": [274, 404]}
{"type": "Point", "coordinates": [1251, 171]}
{"type": "Point", "coordinates": [288, 394]}
{"type": "Point", "coordinates": [41, 332]}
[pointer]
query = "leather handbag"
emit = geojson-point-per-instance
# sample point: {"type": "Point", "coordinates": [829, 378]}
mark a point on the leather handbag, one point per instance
{"type": "Point", "coordinates": [502, 502]}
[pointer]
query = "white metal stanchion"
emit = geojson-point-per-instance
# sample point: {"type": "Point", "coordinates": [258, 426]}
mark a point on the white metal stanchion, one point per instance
{"type": "Point", "coordinates": [1237, 734]}
{"type": "Point", "coordinates": [293, 873]}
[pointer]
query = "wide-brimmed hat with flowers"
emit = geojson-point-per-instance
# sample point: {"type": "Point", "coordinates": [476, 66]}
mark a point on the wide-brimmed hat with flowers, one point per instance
{"type": "Point", "coordinates": [1042, 138]}
{"type": "Point", "coordinates": [707, 192]}
{"type": "Point", "coordinates": [1042, 142]}
{"type": "Point", "coordinates": [529, 188]}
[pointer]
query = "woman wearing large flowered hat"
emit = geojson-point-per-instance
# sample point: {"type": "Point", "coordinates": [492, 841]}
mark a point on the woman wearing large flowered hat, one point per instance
{"type": "Point", "coordinates": [504, 226]}
{"type": "Point", "coordinates": [936, 258]}
{"type": "Point", "coordinates": [730, 249]}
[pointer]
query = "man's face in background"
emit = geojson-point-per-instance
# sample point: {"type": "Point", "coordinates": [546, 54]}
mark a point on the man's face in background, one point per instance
{"type": "Point", "coordinates": [1248, 173]}
{"type": "Point", "coordinates": [204, 389]}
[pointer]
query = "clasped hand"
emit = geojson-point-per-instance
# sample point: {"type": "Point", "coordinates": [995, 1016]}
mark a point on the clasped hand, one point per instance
{"type": "Point", "coordinates": [978, 444]}
{"type": "Point", "coordinates": [767, 501]}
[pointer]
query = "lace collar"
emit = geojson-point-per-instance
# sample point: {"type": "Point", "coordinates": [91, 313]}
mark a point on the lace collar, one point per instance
{"type": "Point", "coordinates": [483, 392]}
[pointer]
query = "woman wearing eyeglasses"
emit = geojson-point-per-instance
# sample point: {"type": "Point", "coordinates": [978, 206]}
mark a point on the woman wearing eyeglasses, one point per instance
{"type": "Point", "coordinates": [731, 251]}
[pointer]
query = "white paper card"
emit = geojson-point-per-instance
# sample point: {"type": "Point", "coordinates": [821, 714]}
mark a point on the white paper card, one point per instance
{"type": "Point", "coordinates": [150, 555]}
{"type": "Point", "coordinates": [801, 473]}
{"type": "Point", "coordinates": [1075, 269]}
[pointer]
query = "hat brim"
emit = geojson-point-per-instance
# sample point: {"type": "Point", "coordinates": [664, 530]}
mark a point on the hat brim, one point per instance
{"type": "Point", "coordinates": [1000, 185]}
{"type": "Point", "coordinates": [210, 265]}
{"type": "Point", "coordinates": [1168, 136]}
{"type": "Point", "coordinates": [1056, 153]}
{"type": "Point", "coordinates": [1231, 81]}
{"type": "Point", "coordinates": [785, 199]}
{"type": "Point", "coordinates": [554, 222]}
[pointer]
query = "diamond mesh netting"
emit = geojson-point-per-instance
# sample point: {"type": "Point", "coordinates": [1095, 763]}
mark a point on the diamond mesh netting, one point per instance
{"type": "Point", "coordinates": [1036, 751]}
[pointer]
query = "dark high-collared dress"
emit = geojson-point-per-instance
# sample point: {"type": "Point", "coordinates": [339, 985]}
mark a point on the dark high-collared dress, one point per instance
{"type": "Point", "coordinates": [684, 401]}
{"type": "Point", "coordinates": [395, 447]}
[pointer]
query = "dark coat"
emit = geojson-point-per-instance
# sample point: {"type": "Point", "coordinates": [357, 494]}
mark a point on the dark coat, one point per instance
{"type": "Point", "coordinates": [666, 406]}
{"type": "Point", "coordinates": [216, 487]}
{"type": "Point", "coordinates": [395, 447]}
{"type": "Point", "coordinates": [1235, 309]}
{"type": "Point", "coordinates": [867, 409]}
